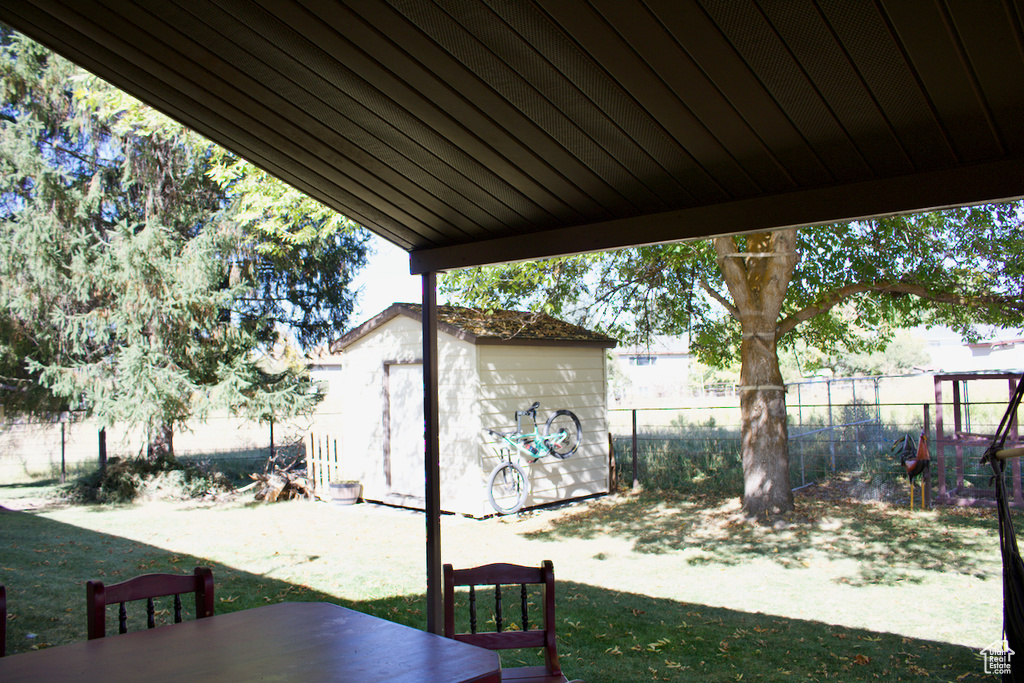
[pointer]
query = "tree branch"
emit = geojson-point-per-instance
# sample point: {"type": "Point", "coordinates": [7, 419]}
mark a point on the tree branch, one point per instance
{"type": "Point", "coordinates": [887, 287]}
{"type": "Point", "coordinates": [733, 272]}
{"type": "Point", "coordinates": [725, 303]}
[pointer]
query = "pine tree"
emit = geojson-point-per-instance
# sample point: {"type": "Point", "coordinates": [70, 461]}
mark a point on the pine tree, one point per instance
{"type": "Point", "coordinates": [145, 275]}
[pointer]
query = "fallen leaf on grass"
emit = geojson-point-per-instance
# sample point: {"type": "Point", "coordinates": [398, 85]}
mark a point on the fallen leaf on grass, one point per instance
{"type": "Point", "coordinates": [862, 660]}
{"type": "Point", "coordinates": [658, 644]}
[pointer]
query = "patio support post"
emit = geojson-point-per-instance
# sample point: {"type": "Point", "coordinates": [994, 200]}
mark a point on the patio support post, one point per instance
{"type": "Point", "coordinates": [431, 456]}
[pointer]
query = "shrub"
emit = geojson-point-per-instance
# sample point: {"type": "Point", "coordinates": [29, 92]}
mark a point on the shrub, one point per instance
{"type": "Point", "coordinates": [128, 479]}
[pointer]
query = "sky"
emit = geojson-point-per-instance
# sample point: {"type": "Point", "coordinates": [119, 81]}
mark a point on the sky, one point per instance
{"type": "Point", "coordinates": [385, 280]}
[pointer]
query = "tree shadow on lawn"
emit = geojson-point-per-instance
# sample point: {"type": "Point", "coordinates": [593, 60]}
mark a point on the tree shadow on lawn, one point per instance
{"type": "Point", "coordinates": [890, 544]}
{"type": "Point", "coordinates": [34, 484]}
{"type": "Point", "coordinates": [603, 635]}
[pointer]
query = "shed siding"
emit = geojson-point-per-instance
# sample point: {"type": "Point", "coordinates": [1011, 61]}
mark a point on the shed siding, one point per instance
{"type": "Point", "coordinates": [362, 418]}
{"type": "Point", "coordinates": [513, 377]}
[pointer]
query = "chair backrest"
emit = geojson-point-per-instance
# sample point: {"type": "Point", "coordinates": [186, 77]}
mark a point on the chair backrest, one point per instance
{"type": "Point", "coordinates": [147, 587]}
{"type": "Point", "coordinates": [3, 620]}
{"type": "Point", "coordinates": [496, 576]}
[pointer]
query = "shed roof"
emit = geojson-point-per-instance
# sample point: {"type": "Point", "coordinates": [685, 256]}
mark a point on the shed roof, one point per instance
{"type": "Point", "coordinates": [487, 327]}
{"type": "Point", "coordinates": [471, 131]}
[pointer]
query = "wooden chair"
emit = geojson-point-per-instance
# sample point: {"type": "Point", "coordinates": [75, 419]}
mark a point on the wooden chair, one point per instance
{"type": "Point", "coordinates": [147, 587]}
{"type": "Point", "coordinates": [498, 575]}
{"type": "Point", "coordinates": [3, 620]}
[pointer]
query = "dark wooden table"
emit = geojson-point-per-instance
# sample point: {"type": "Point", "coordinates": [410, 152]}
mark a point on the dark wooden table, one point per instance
{"type": "Point", "coordinates": [290, 641]}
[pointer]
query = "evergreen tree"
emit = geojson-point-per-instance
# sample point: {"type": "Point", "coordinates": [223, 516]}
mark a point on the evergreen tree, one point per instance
{"type": "Point", "coordinates": [146, 275]}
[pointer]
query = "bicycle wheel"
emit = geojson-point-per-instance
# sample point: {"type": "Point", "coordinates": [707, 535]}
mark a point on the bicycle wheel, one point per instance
{"type": "Point", "coordinates": [564, 433]}
{"type": "Point", "coordinates": [507, 488]}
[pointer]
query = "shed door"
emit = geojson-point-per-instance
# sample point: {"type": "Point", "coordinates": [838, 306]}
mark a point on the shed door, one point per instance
{"type": "Point", "coordinates": [405, 430]}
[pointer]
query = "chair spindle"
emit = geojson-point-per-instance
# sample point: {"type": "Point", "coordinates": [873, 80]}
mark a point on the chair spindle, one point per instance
{"type": "Point", "coordinates": [533, 583]}
{"type": "Point", "coordinates": [522, 599]}
{"type": "Point", "coordinates": [497, 607]}
{"type": "Point", "coordinates": [472, 609]}
{"type": "Point", "coordinates": [147, 587]}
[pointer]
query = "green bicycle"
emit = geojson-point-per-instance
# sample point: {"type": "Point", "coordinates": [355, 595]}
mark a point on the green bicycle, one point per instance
{"type": "Point", "coordinates": [508, 484]}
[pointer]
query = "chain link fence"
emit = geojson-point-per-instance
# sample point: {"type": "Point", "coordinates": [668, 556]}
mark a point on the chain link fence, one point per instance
{"type": "Point", "coordinates": [33, 450]}
{"type": "Point", "coordinates": [841, 433]}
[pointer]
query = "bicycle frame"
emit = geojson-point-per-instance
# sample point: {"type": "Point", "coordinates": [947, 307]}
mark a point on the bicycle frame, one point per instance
{"type": "Point", "coordinates": [531, 446]}
{"type": "Point", "coordinates": [508, 485]}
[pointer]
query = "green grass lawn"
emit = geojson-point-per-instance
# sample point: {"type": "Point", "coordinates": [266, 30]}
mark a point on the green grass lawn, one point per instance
{"type": "Point", "coordinates": [651, 587]}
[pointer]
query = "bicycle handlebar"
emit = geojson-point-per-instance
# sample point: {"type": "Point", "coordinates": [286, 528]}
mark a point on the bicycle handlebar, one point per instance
{"type": "Point", "coordinates": [532, 411]}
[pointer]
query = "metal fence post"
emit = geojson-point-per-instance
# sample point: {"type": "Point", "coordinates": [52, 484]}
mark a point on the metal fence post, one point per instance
{"type": "Point", "coordinates": [636, 480]}
{"type": "Point", "coordinates": [878, 413]}
{"type": "Point", "coordinates": [799, 406]}
{"type": "Point", "coordinates": [63, 459]}
{"type": "Point", "coordinates": [854, 414]}
{"type": "Point", "coordinates": [927, 495]}
{"type": "Point", "coordinates": [103, 450]}
{"type": "Point", "coordinates": [831, 426]}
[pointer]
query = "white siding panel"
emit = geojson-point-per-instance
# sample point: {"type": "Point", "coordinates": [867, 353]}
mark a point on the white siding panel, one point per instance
{"type": "Point", "coordinates": [479, 386]}
{"type": "Point", "coordinates": [400, 340]}
{"type": "Point", "coordinates": [512, 378]}
{"type": "Point", "coordinates": [459, 417]}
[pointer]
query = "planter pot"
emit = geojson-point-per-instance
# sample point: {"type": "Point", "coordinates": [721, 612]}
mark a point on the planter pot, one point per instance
{"type": "Point", "coordinates": [345, 493]}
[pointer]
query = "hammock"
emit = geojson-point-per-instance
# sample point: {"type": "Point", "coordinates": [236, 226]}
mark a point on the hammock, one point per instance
{"type": "Point", "coordinates": [1013, 566]}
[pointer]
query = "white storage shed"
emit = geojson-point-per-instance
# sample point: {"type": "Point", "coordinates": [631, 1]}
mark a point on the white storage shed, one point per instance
{"type": "Point", "coordinates": [491, 365]}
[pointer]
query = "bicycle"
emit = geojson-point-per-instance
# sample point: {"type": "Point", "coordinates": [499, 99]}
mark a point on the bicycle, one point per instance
{"type": "Point", "coordinates": [508, 484]}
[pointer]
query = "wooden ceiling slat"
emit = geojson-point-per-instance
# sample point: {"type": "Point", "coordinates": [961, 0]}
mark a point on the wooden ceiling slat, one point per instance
{"type": "Point", "coordinates": [511, 66]}
{"type": "Point", "coordinates": [991, 35]}
{"type": "Point", "coordinates": [286, 126]}
{"type": "Point", "coordinates": [715, 56]}
{"type": "Point", "coordinates": [635, 77]}
{"type": "Point", "coordinates": [834, 75]}
{"type": "Point", "coordinates": [382, 59]}
{"type": "Point", "coordinates": [479, 131]}
{"type": "Point", "coordinates": [650, 40]}
{"type": "Point", "coordinates": [121, 64]}
{"type": "Point", "coordinates": [937, 59]}
{"type": "Point", "coordinates": [337, 120]}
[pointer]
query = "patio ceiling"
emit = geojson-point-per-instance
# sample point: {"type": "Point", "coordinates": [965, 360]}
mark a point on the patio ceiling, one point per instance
{"type": "Point", "coordinates": [480, 131]}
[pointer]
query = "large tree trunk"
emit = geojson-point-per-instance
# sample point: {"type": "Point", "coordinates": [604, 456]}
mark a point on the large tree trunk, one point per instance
{"type": "Point", "coordinates": [757, 280]}
{"type": "Point", "coordinates": [765, 439]}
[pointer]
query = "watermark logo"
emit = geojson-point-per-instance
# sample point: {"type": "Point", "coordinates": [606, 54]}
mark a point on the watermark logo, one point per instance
{"type": "Point", "coordinates": [997, 657]}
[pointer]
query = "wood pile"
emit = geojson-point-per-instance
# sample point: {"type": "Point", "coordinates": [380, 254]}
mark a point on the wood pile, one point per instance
{"type": "Point", "coordinates": [281, 481]}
